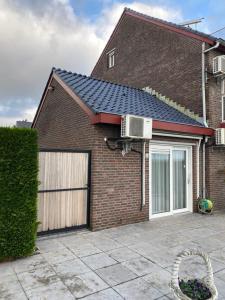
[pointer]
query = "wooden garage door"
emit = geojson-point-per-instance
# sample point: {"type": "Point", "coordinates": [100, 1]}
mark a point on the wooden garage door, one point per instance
{"type": "Point", "coordinates": [63, 190]}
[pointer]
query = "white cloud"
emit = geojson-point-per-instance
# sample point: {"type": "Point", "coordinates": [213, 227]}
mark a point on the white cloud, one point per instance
{"type": "Point", "coordinates": [109, 18]}
{"type": "Point", "coordinates": [36, 35]}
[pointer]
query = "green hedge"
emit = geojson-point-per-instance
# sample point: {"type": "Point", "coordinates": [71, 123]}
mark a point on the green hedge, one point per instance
{"type": "Point", "coordinates": [18, 191]}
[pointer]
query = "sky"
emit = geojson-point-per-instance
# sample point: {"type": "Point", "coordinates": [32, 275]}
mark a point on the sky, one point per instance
{"type": "Point", "coordinates": [36, 35]}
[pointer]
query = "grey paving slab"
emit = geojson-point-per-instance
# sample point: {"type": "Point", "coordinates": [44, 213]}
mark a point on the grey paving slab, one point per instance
{"type": "Point", "coordinates": [210, 244]}
{"type": "Point", "coordinates": [167, 297]}
{"type": "Point", "coordinates": [140, 266]}
{"type": "Point", "coordinates": [70, 268]}
{"type": "Point", "coordinates": [171, 240]}
{"type": "Point", "coordinates": [37, 278]}
{"type": "Point", "coordinates": [105, 244]}
{"type": "Point", "coordinates": [6, 269]}
{"type": "Point", "coordinates": [145, 246]}
{"type": "Point", "coordinates": [85, 249]}
{"type": "Point", "coordinates": [116, 274]}
{"type": "Point", "coordinates": [218, 255]}
{"type": "Point", "coordinates": [137, 289]}
{"type": "Point", "coordinates": [198, 233]}
{"type": "Point", "coordinates": [220, 285]}
{"type": "Point", "coordinates": [220, 275]}
{"type": "Point", "coordinates": [47, 245]}
{"type": "Point", "coordinates": [73, 240]}
{"type": "Point", "coordinates": [122, 254]}
{"type": "Point", "coordinates": [98, 261]}
{"type": "Point", "coordinates": [58, 256]}
{"type": "Point", "coordinates": [160, 280]}
{"type": "Point", "coordinates": [108, 294]}
{"type": "Point", "coordinates": [11, 289]}
{"type": "Point", "coordinates": [10, 295]}
{"type": "Point", "coordinates": [85, 284]}
{"type": "Point", "coordinates": [29, 263]}
{"type": "Point", "coordinates": [165, 256]}
{"type": "Point", "coordinates": [53, 291]}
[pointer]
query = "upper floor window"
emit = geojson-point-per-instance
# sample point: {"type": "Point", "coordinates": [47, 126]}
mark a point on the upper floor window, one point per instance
{"type": "Point", "coordinates": [111, 58]}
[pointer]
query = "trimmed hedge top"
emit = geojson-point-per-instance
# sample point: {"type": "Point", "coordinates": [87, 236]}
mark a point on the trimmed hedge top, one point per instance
{"type": "Point", "coordinates": [18, 191]}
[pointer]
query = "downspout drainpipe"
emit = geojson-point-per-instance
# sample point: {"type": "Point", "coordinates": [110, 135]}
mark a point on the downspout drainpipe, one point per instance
{"type": "Point", "coordinates": [203, 168]}
{"type": "Point", "coordinates": [204, 51]}
{"type": "Point", "coordinates": [143, 175]}
{"type": "Point", "coordinates": [197, 163]}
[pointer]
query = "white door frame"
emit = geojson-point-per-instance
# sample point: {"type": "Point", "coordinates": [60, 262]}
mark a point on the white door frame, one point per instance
{"type": "Point", "coordinates": [168, 147]}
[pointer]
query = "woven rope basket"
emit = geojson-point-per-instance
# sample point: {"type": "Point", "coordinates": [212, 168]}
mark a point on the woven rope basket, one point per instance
{"type": "Point", "coordinates": [207, 280]}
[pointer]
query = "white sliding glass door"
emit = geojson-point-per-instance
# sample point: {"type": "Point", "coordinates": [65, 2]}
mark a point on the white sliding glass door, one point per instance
{"type": "Point", "coordinates": [170, 178]}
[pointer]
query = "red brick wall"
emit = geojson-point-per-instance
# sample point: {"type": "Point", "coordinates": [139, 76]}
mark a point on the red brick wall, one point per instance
{"type": "Point", "coordinates": [116, 180]}
{"type": "Point", "coordinates": [215, 175]}
{"type": "Point", "coordinates": [148, 55]}
{"type": "Point", "coordinates": [170, 63]}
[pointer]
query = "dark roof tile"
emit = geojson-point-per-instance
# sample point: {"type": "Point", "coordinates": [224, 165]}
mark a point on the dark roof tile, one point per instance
{"type": "Point", "coordinates": [107, 97]}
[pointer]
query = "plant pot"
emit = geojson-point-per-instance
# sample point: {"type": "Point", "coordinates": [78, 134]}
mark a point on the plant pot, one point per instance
{"type": "Point", "coordinates": [208, 280]}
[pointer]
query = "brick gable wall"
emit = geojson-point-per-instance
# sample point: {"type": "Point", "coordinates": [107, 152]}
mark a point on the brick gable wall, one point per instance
{"type": "Point", "coordinates": [148, 55]}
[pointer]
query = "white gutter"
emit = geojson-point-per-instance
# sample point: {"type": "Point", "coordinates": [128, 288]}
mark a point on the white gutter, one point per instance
{"type": "Point", "coordinates": [204, 111]}
{"type": "Point", "coordinates": [193, 137]}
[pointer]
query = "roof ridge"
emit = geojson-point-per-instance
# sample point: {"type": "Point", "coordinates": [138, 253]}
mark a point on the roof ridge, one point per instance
{"type": "Point", "coordinates": [97, 79]}
{"type": "Point", "coordinates": [187, 29]}
{"type": "Point", "coordinates": [173, 104]}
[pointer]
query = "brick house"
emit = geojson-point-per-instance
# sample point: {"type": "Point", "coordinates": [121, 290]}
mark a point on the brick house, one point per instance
{"type": "Point", "coordinates": [176, 62]}
{"type": "Point", "coordinates": [155, 177]}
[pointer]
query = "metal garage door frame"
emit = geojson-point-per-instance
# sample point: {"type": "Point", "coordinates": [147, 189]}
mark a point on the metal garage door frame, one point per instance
{"type": "Point", "coordinates": [88, 189]}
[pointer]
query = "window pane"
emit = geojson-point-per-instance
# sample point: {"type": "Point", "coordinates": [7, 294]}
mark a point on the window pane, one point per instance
{"type": "Point", "coordinates": [111, 59]}
{"type": "Point", "coordinates": [179, 179]}
{"type": "Point", "coordinates": [160, 182]}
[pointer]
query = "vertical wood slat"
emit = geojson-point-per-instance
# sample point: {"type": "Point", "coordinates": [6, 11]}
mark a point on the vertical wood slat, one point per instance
{"type": "Point", "coordinates": [61, 209]}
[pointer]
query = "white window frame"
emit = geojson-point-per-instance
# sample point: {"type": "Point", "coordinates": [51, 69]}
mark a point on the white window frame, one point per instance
{"type": "Point", "coordinates": [223, 86]}
{"type": "Point", "coordinates": [111, 58]}
{"type": "Point", "coordinates": [223, 107]}
{"type": "Point", "coordinates": [167, 148]}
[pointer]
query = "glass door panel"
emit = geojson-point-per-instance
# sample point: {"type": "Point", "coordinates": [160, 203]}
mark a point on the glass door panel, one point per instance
{"type": "Point", "coordinates": [179, 172]}
{"type": "Point", "coordinates": [160, 182]}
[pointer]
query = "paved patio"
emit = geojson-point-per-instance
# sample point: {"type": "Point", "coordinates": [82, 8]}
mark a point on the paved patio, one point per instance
{"type": "Point", "coordinates": [127, 262]}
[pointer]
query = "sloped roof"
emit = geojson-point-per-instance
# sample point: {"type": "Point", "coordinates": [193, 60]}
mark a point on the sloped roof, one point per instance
{"type": "Point", "coordinates": [181, 27]}
{"type": "Point", "coordinates": [106, 97]}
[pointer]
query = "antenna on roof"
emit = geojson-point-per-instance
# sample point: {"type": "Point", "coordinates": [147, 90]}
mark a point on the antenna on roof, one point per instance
{"type": "Point", "coordinates": [218, 30]}
{"type": "Point", "coordinates": [191, 22]}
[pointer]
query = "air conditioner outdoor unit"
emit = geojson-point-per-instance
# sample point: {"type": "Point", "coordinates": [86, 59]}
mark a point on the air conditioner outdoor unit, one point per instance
{"type": "Point", "coordinates": [220, 136]}
{"type": "Point", "coordinates": [219, 65]}
{"type": "Point", "coordinates": [136, 127]}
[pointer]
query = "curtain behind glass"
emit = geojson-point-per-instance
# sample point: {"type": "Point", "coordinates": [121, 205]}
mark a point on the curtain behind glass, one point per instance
{"type": "Point", "coordinates": [179, 179]}
{"type": "Point", "coordinates": [160, 182]}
